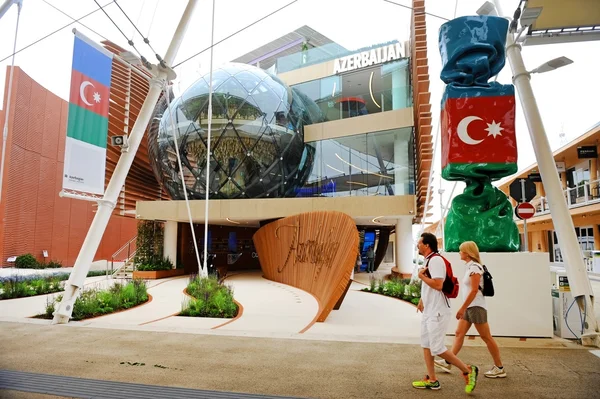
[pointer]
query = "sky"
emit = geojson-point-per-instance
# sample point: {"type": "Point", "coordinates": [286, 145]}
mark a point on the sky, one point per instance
{"type": "Point", "coordinates": [567, 97]}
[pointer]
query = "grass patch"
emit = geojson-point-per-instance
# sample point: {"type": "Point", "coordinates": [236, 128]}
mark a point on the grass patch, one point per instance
{"type": "Point", "coordinates": [19, 286]}
{"type": "Point", "coordinates": [210, 299]}
{"type": "Point", "coordinates": [397, 288]}
{"type": "Point", "coordinates": [95, 302]}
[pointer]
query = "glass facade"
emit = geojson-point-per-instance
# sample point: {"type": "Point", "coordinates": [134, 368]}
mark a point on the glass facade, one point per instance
{"type": "Point", "coordinates": [257, 139]}
{"type": "Point", "coordinates": [257, 142]}
{"type": "Point", "coordinates": [380, 163]}
{"type": "Point", "coordinates": [361, 92]}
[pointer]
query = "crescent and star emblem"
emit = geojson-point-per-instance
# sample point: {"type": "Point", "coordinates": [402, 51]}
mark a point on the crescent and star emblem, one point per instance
{"type": "Point", "coordinates": [96, 95]}
{"type": "Point", "coordinates": [493, 130]}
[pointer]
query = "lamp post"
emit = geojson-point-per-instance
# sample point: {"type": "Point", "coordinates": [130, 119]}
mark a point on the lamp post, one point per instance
{"type": "Point", "coordinates": [563, 224]}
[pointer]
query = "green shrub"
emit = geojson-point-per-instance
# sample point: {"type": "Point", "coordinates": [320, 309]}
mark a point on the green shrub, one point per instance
{"type": "Point", "coordinates": [54, 264]}
{"type": "Point", "coordinates": [27, 261]}
{"type": "Point", "coordinates": [397, 288]}
{"type": "Point", "coordinates": [155, 264]}
{"type": "Point", "coordinates": [210, 299]}
{"type": "Point", "coordinates": [94, 302]}
{"type": "Point", "coordinates": [372, 284]}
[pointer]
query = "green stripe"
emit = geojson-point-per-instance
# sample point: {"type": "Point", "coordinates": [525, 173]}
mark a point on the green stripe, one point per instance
{"type": "Point", "coordinates": [87, 126]}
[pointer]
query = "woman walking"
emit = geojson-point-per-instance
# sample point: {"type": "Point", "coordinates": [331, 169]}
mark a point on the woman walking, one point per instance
{"type": "Point", "coordinates": [474, 311]}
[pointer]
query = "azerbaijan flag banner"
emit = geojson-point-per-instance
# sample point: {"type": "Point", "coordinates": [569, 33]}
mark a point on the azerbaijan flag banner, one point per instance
{"type": "Point", "coordinates": [87, 127]}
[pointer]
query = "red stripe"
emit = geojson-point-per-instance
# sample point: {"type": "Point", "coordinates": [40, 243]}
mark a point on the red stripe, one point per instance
{"type": "Point", "coordinates": [92, 92]}
{"type": "Point", "coordinates": [501, 149]}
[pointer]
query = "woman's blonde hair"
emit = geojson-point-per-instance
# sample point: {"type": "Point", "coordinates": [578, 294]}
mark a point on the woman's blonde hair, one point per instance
{"type": "Point", "coordinates": [471, 249]}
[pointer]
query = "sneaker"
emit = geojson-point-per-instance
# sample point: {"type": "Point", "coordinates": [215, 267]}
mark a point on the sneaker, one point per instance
{"type": "Point", "coordinates": [471, 379]}
{"type": "Point", "coordinates": [426, 384]}
{"type": "Point", "coordinates": [442, 364]}
{"type": "Point", "coordinates": [495, 372]}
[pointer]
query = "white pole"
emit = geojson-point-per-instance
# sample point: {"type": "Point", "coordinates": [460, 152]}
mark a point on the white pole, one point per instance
{"type": "Point", "coordinates": [107, 204]}
{"type": "Point", "coordinates": [204, 271]}
{"type": "Point", "coordinates": [563, 224]}
{"type": "Point", "coordinates": [3, 10]}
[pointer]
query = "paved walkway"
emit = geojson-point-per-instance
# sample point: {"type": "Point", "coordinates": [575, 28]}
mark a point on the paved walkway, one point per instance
{"type": "Point", "coordinates": [270, 310]}
{"type": "Point", "coordinates": [268, 307]}
{"type": "Point", "coordinates": [285, 367]}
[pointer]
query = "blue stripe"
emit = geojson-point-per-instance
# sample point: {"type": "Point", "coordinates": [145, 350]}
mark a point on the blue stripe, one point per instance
{"type": "Point", "coordinates": [91, 62]}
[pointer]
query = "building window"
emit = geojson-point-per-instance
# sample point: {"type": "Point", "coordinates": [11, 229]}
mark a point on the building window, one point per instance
{"type": "Point", "coordinates": [380, 163]}
{"type": "Point", "coordinates": [361, 92]}
{"type": "Point", "coordinates": [585, 237]}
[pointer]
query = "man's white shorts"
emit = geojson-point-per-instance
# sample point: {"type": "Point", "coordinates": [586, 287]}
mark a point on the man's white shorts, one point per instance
{"type": "Point", "coordinates": [433, 332]}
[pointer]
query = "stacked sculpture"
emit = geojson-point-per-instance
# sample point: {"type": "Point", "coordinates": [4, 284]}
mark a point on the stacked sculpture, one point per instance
{"type": "Point", "coordinates": [478, 133]}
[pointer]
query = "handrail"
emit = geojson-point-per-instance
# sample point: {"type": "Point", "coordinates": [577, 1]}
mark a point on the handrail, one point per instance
{"type": "Point", "coordinates": [123, 247]}
{"type": "Point", "coordinates": [130, 253]}
{"type": "Point", "coordinates": [589, 189]}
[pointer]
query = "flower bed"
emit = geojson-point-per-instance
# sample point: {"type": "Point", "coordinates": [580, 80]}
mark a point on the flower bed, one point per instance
{"type": "Point", "coordinates": [95, 302]}
{"type": "Point", "coordinates": [210, 298]}
{"type": "Point", "coordinates": [398, 288]}
{"type": "Point", "coordinates": [21, 286]}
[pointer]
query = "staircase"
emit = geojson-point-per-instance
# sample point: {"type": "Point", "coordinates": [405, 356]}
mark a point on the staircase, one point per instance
{"type": "Point", "coordinates": [125, 271]}
{"type": "Point", "coordinates": [125, 255]}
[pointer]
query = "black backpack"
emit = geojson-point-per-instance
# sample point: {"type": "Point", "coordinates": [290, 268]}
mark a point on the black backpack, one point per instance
{"type": "Point", "coordinates": [488, 285]}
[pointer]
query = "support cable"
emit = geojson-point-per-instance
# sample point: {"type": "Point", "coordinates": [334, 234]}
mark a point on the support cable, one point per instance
{"type": "Point", "coordinates": [146, 40]}
{"type": "Point", "coordinates": [185, 194]}
{"type": "Point", "coordinates": [74, 20]}
{"type": "Point", "coordinates": [129, 41]}
{"type": "Point", "coordinates": [236, 32]}
{"type": "Point", "coordinates": [137, 21]}
{"type": "Point", "coordinates": [152, 20]}
{"type": "Point", "coordinates": [210, 95]}
{"type": "Point", "coordinates": [54, 32]}
{"type": "Point", "coordinates": [427, 13]}
{"type": "Point", "coordinates": [7, 108]}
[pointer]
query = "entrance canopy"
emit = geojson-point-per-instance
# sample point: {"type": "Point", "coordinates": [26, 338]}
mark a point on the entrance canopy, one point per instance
{"type": "Point", "coordinates": [562, 21]}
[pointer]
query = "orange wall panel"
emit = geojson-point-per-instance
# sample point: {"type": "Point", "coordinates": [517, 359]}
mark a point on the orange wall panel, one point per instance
{"type": "Point", "coordinates": [44, 221]}
{"type": "Point", "coordinates": [34, 217]}
{"type": "Point", "coordinates": [62, 221]}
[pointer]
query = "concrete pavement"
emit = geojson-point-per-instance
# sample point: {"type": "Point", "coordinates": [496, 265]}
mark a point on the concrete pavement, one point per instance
{"type": "Point", "coordinates": [302, 368]}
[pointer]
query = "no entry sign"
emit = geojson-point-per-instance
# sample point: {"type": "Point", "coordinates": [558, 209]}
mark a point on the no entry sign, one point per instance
{"type": "Point", "coordinates": [525, 210]}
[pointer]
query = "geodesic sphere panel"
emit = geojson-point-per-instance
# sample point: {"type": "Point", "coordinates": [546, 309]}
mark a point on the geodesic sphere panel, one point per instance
{"type": "Point", "coordinates": [256, 137]}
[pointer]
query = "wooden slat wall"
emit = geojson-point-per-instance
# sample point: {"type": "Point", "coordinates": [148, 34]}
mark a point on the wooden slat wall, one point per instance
{"type": "Point", "coordinates": [422, 105]}
{"type": "Point", "coordinates": [314, 251]}
{"type": "Point", "coordinates": [127, 93]}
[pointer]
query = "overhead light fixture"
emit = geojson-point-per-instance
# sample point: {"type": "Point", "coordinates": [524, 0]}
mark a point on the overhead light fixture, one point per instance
{"type": "Point", "coordinates": [552, 65]}
{"type": "Point", "coordinates": [530, 15]}
{"type": "Point", "coordinates": [488, 8]}
{"type": "Point", "coordinates": [232, 221]}
{"type": "Point", "coordinates": [374, 220]}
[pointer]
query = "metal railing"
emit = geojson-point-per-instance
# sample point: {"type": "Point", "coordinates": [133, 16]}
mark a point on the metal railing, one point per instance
{"type": "Point", "coordinates": [124, 254]}
{"type": "Point", "coordinates": [585, 194]}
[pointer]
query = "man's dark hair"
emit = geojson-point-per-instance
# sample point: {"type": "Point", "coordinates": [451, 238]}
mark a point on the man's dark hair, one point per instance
{"type": "Point", "coordinates": [431, 240]}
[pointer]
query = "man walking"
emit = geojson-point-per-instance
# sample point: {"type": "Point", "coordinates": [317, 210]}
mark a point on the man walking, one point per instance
{"type": "Point", "coordinates": [370, 260]}
{"type": "Point", "coordinates": [435, 307]}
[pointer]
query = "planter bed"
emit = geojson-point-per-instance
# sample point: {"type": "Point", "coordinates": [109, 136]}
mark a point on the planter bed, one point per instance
{"type": "Point", "coordinates": [158, 274]}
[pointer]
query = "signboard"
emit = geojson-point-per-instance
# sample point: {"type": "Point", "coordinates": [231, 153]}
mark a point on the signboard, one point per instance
{"type": "Point", "coordinates": [535, 177]}
{"type": "Point", "coordinates": [525, 211]}
{"type": "Point", "coordinates": [560, 167]}
{"type": "Point", "coordinates": [515, 190]}
{"type": "Point", "coordinates": [563, 284]}
{"type": "Point", "coordinates": [367, 58]}
{"type": "Point", "coordinates": [587, 151]}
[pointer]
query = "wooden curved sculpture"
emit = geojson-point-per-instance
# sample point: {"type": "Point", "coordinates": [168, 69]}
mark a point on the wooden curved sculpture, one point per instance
{"type": "Point", "coordinates": [314, 251]}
